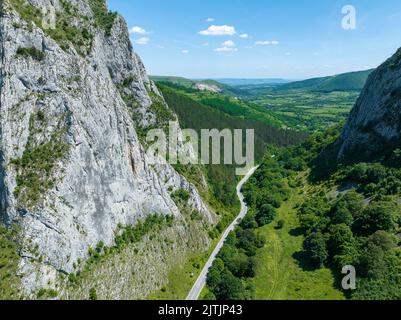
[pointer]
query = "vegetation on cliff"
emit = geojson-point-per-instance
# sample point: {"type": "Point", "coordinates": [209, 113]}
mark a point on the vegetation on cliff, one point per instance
{"type": "Point", "coordinates": [9, 259]}
{"type": "Point", "coordinates": [36, 167]}
{"type": "Point", "coordinates": [70, 27]}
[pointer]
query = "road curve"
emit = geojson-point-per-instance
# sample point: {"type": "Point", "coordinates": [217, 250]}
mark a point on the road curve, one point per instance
{"type": "Point", "coordinates": [201, 281]}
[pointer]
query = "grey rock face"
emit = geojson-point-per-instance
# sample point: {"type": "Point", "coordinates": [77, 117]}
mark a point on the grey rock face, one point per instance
{"type": "Point", "coordinates": [105, 178]}
{"type": "Point", "coordinates": [374, 126]}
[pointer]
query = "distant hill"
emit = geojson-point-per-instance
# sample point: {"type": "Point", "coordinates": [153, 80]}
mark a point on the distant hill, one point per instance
{"type": "Point", "coordinates": [252, 82]}
{"type": "Point", "coordinates": [342, 82]}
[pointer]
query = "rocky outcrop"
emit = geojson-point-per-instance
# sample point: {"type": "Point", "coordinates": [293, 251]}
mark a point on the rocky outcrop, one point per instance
{"type": "Point", "coordinates": [373, 130]}
{"type": "Point", "coordinates": [72, 165]}
{"type": "Point", "coordinates": [207, 87]}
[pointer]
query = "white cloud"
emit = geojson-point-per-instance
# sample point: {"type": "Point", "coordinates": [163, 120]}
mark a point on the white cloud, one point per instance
{"type": "Point", "coordinates": [262, 43]}
{"type": "Point", "coordinates": [226, 49]}
{"type": "Point", "coordinates": [227, 46]}
{"type": "Point", "coordinates": [228, 43]}
{"type": "Point", "coordinates": [185, 51]}
{"type": "Point", "coordinates": [219, 31]}
{"type": "Point", "coordinates": [244, 36]}
{"type": "Point", "coordinates": [138, 30]}
{"type": "Point", "coordinates": [210, 19]}
{"type": "Point", "coordinates": [267, 43]}
{"type": "Point", "coordinates": [142, 41]}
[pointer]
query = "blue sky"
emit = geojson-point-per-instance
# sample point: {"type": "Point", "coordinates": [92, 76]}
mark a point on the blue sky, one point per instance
{"type": "Point", "coordinates": [291, 39]}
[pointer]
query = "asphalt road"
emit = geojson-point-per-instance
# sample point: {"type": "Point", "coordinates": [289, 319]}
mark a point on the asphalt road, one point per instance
{"type": "Point", "coordinates": [201, 281]}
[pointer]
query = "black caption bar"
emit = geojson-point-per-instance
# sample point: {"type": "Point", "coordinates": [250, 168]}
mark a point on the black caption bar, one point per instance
{"type": "Point", "coordinates": [160, 310]}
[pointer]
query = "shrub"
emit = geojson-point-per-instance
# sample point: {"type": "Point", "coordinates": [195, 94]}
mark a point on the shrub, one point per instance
{"type": "Point", "coordinates": [378, 216]}
{"type": "Point", "coordinates": [92, 294]}
{"type": "Point", "coordinates": [229, 287]}
{"type": "Point", "coordinates": [249, 241]}
{"type": "Point", "coordinates": [340, 237]}
{"type": "Point", "coordinates": [249, 222]}
{"type": "Point", "coordinates": [47, 293]}
{"type": "Point", "coordinates": [103, 17]}
{"type": "Point", "coordinates": [372, 262]}
{"type": "Point", "coordinates": [196, 215]}
{"type": "Point", "coordinates": [36, 54]}
{"type": "Point", "coordinates": [180, 195]}
{"type": "Point", "coordinates": [265, 215]}
{"type": "Point", "coordinates": [315, 246]}
{"type": "Point", "coordinates": [241, 266]}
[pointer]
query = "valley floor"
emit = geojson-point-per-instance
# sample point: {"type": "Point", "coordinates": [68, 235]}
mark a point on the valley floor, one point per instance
{"type": "Point", "coordinates": [282, 272]}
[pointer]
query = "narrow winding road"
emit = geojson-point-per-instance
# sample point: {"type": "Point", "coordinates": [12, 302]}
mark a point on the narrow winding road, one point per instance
{"type": "Point", "coordinates": [201, 281]}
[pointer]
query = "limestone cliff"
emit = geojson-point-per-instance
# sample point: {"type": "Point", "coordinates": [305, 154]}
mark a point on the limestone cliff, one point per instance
{"type": "Point", "coordinates": [373, 130]}
{"type": "Point", "coordinates": [75, 102]}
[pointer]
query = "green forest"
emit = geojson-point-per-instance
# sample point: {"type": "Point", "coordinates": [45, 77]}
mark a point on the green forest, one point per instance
{"type": "Point", "coordinates": [348, 215]}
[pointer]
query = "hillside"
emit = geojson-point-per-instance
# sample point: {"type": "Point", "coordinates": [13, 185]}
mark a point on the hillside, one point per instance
{"type": "Point", "coordinates": [342, 82]}
{"type": "Point", "coordinates": [200, 85]}
{"type": "Point", "coordinates": [187, 83]}
{"type": "Point", "coordinates": [228, 104]}
{"type": "Point", "coordinates": [235, 82]}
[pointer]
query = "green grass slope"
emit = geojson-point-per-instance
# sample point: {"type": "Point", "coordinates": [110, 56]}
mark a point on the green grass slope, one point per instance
{"type": "Point", "coordinates": [281, 273]}
{"type": "Point", "coordinates": [187, 83]}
